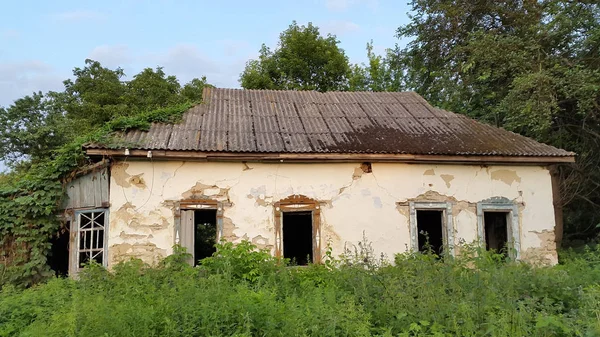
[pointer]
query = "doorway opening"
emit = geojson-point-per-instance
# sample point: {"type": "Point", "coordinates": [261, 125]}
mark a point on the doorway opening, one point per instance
{"type": "Point", "coordinates": [430, 226]}
{"type": "Point", "coordinates": [58, 259]}
{"type": "Point", "coordinates": [205, 233]}
{"type": "Point", "coordinates": [496, 231]}
{"type": "Point", "coordinates": [298, 237]}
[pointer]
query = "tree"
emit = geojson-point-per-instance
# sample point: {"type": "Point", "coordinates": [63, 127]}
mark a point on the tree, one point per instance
{"type": "Point", "coordinates": [192, 91]}
{"type": "Point", "coordinates": [35, 125]}
{"type": "Point", "coordinates": [96, 95]}
{"type": "Point", "coordinates": [529, 66]}
{"type": "Point", "coordinates": [303, 60]}
{"type": "Point", "coordinates": [382, 73]}
{"type": "Point", "coordinates": [152, 89]}
{"type": "Point", "coordinates": [32, 126]}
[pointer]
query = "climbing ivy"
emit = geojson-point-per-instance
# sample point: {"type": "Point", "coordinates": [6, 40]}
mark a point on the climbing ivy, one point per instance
{"type": "Point", "coordinates": [30, 199]}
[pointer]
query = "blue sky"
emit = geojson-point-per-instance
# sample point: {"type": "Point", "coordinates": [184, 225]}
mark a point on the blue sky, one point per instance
{"type": "Point", "coordinates": [42, 41]}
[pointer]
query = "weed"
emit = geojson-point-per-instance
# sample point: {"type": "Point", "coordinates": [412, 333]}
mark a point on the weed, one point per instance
{"type": "Point", "coordinates": [243, 291]}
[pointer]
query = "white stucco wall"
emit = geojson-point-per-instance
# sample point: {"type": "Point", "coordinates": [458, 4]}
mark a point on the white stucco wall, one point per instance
{"type": "Point", "coordinates": [143, 195]}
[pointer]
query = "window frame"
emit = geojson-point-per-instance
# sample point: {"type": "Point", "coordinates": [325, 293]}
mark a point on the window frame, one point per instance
{"type": "Point", "coordinates": [194, 205]}
{"type": "Point", "coordinates": [513, 223]}
{"type": "Point", "coordinates": [298, 203]}
{"type": "Point", "coordinates": [75, 249]}
{"type": "Point", "coordinates": [447, 223]}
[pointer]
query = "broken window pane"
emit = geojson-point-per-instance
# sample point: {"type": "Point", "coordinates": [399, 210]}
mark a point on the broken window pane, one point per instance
{"type": "Point", "coordinates": [298, 237]}
{"type": "Point", "coordinates": [91, 237]}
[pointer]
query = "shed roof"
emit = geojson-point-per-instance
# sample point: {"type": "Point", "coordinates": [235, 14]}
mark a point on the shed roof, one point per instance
{"type": "Point", "coordinates": [267, 121]}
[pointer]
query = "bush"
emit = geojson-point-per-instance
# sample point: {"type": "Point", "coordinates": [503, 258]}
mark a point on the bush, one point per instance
{"type": "Point", "coordinates": [242, 291]}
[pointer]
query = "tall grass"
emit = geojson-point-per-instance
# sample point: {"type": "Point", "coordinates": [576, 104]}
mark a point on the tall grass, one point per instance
{"type": "Point", "coordinates": [244, 292]}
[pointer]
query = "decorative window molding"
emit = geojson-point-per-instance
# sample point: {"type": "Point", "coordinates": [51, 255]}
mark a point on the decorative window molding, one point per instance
{"type": "Point", "coordinates": [298, 203]}
{"type": "Point", "coordinates": [501, 204]}
{"type": "Point", "coordinates": [447, 223]}
{"type": "Point", "coordinates": [91, 238]}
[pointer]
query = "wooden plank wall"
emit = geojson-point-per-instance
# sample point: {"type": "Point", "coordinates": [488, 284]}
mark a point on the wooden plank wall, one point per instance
{"type": "Point", "coordinates": [88, 191]}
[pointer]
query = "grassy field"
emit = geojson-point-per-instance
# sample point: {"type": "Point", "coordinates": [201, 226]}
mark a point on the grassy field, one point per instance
{"type": "Point", "coordinates": [241, 292]}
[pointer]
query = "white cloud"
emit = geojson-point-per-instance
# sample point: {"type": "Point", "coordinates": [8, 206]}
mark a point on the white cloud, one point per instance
{"type": "Point", "coordinates": [342, 5]}
{"type": "Point", "coordinates": [187, 61]}
{"type": "Point", "coordinates": [340, 27]}
{"type": "Point", "coordinates": [79, 15]}
{"type": "Point", "coordinates": [18, 79]}
{"type": "Point", "coordinates": [233, 47]}
{"type": "Point", "coordinates": [112, 56]}
{"type": "Point", "coordinates": [10, 34]}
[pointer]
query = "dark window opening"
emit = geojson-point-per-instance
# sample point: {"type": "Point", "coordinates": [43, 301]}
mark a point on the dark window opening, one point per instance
{"type": "Point", "coordinates": [205, 233]}
{"type": "Point", "coordinates": [58, 259]}
{"type": "Point", "coordinates": [298, 237]}
{"type": "Point", "coordinates": [496, 231]}
{"type": "Point", "coordinates": [430, 231]}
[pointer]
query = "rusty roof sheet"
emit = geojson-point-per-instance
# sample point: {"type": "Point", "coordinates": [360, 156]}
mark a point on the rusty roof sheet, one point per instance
{"type": "Point", "coordinates": [236, 120]}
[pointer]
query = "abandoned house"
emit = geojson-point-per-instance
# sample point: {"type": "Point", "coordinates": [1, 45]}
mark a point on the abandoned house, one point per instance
{"type": "Point", "coordinates": [296, 172]}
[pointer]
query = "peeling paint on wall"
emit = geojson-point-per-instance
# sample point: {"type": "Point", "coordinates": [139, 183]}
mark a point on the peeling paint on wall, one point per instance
{"type": "Point", "coordinates": [118, 174]}
{"type": "Point", "coordinates": [447, 179]}
{"type": "Point", "coordinates": [147, 252]}
{"type": "Point", "coordinates": [545, 253]}
{"type": "Point", "coordinates": [506, 176]}
{"type": "Point", "coordinates": [201, 191]}
{"type": "Point", "coordinates": [262, 242]}
{"type": "Point", "coordinates": [137, 181]}
{"type": "Point", "coordinates": [352, 201]}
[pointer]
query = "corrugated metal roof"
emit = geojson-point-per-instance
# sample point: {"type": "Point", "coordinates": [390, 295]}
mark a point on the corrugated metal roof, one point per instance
{"type": "Point", "coordinates": [236, 120]}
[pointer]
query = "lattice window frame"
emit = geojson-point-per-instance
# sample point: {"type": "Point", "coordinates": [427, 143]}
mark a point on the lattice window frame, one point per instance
{"type": "Point", "coordinates": [90, 215]}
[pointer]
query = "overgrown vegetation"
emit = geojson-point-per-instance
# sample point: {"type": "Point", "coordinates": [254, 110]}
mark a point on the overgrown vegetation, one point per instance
{"type": "Point", "coordinates": [529, 66]}
{"type": "Point", "coordinates": [30, 195]}
{"type": "Point", "coordinates": [243, 292]}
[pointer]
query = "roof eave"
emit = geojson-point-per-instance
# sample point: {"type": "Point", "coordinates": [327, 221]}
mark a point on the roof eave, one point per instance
{"type": "Point", "coordinates": [331, 157]}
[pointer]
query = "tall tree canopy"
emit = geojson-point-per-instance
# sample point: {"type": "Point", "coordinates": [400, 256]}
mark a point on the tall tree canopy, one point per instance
{"type": "Point", "coordinates": [381, 73]}
{"type": "Point", "coordinates": [531, 66]}
{"type": "Point", "coordinates": [303, 60]}
{"type": "Point", "coordinates": [37, 124]}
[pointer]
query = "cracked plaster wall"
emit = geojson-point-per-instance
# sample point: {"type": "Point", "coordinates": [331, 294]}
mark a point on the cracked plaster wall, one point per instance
{"type": "Point", "coordinates": [143, 195]}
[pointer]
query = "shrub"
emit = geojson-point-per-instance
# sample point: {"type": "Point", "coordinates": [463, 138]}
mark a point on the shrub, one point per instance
{"type": "Point", "coordinates": [243, 291]}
